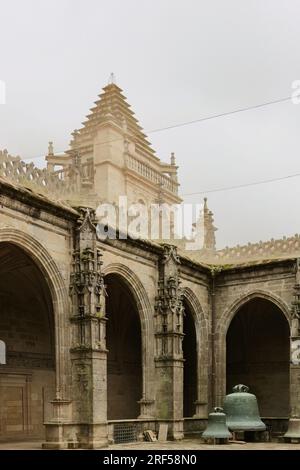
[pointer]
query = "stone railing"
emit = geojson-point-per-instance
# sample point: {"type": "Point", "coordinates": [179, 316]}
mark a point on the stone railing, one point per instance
{"type": "Point", "coordinates": [286, 246]}
{"type": "Point", "coordinates": [165, 182]}
{"type": "Point", "coordinates": [61, 183]}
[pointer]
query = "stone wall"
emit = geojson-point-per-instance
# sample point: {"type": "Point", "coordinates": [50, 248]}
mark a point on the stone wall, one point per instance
{"type": "Point", "coordinates": [37, 362]}
{"type": "Point", "coordinates": [61, 241]}
{"type": "Point", "coordinates": [233, 289]}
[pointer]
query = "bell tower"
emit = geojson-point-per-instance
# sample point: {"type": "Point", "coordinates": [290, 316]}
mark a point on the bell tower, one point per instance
{"type": "Point", "coordinates": [114, 157]}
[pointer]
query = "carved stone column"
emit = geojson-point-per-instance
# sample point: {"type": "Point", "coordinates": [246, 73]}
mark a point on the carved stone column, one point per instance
{"type": "Point", "coordinates": [88, 353]}
{"type": "Point", "coordinates": [168, 338]}
{"type": "Point", "coordinates": [293, 433]}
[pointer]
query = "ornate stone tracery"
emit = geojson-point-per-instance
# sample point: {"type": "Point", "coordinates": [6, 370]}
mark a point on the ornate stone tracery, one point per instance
{"type": "Point", "coordinates": [169, 308]}
{"type": "Point", "coordinates": [295, 309]}
{"type": "Point", "coordinates": [88, 350]}
{"type": "Point", "coordinates": [169, 335]}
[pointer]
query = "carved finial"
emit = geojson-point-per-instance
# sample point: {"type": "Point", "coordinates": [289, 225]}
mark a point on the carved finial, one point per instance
{"type": "Point", "coordinates": [173, 161]}
{"type": "Point", "coordinates": [204, 229]}
{"type": "Point", "coordinates": [50, 148]}
{"type": "Point", "coordinates": [76, 159]}
{"type": "Point", "coordinates": [87, 219]}
{"type": "Point", "coordinates": [170, 252]}
{"type": "Point", "coordinates": [112, 79]}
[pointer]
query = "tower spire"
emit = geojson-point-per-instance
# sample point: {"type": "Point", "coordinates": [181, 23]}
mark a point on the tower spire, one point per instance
{"type": "Point", "coordinates": [112, 105]}
{"type": "Point", "coordinates": [204, 231]}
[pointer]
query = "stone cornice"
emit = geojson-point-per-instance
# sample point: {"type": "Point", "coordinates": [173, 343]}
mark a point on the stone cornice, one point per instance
{"type": "Point", "coordinates": [256, 267]}
{"type": "Point", "coordinates": [36, 201]}
{"type": "Point", "coordinates": [34, 204]}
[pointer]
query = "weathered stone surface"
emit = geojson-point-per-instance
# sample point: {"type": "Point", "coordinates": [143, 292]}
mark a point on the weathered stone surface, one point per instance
{"type": "Point", "coordinates": [54, 309]}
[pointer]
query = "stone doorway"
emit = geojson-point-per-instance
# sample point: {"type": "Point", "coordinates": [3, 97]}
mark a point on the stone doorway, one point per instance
{"type": "Point", "coordinates": [258, 354]}
{"type": "Point", "coordinates": [189, 346]}
{"type": "Point", "coordinates": [124, 344]}
{"type": "Point", "coordinates": [27, 375]}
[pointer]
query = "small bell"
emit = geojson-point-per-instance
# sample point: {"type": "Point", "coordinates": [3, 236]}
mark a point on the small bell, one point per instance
{"type": "Point", "coordinates": [293, 433]}
{"type": "Point", "coordinates": [216, 426]}
{"type": "Point", "coordinates": [241, 410]}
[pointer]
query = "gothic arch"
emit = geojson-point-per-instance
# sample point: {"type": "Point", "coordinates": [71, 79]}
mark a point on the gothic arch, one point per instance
{"type": "Point", "coordinates": [145, 313]}
{"type": "Point", "coordinates": [230, 312]}
{"type": "Point", "coordinates": [222, 328]}
{"type": "Point", "coordinates": [202, 342]}
{"type": "Point", "coordinates": [56, 284]}
{"type": "Point", "coordinates": [198, 314]}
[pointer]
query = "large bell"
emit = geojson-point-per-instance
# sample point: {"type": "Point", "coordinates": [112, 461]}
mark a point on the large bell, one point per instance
{"type": "Point", "coordinates": [241, 410]}
{"type": "Point", "coordinates": [216, 426]}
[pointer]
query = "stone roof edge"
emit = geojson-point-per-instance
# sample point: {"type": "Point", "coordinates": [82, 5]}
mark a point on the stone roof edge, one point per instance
{"type": "Point", "coordinates": [40, 201]}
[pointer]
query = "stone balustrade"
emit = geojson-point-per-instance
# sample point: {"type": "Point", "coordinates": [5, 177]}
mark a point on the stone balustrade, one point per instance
{"type": "Point", "coordinates": [286, 246]}
{"type": "Point", "coordinates": [149, 173]}
{"type": "Point", "coordinates": [61, 183]}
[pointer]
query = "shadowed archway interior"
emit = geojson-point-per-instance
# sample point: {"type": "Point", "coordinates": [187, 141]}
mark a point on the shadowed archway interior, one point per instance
{"type": "Point", "coordinates": [27, 380]}
{"type": "Point", "coordinates": [189, 346]}
{"type": "Point", "coordinates": [124, 361]}
{"type": "Point", "coordinates": [257, 355]}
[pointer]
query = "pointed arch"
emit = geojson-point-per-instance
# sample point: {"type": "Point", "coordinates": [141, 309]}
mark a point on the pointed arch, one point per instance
{"type": "Point", "coordinates": [201, 328]}
{"type": "Point", "coordinates": [223, 326]}
{"type": "Point", "coordinates": [57, 287]}
{"type": "Point", "coordinates": [145, 312]}
{"type": "Point", "coordinates": [230, 312]}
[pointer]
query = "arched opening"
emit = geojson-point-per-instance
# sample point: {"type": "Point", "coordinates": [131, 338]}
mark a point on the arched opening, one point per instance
{"type": "Point", "coordinates": [124, 360]}
{"type": "Point", "coordinates": [189, 347]}
{"type": "Point", "coordinates": [258, 355]}
{"type": "Point", "coordinates": [27, 378]}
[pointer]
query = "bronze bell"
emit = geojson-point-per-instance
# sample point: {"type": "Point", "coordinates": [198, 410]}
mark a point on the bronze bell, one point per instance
{"type": "Point", "coordinates": [293, 432]}
{"type": "Point", "coordinates": [241, 410]}
{"type": "Point", "coordinates": [216, 426]}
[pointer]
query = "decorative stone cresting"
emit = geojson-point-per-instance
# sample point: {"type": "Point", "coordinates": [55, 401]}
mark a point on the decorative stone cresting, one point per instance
{"type": "Point", "coordinates": [60, 184]}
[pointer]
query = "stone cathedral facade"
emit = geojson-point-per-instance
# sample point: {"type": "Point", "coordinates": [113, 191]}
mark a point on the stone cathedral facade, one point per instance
{"type": "Point", "coordinates": [104, 337]}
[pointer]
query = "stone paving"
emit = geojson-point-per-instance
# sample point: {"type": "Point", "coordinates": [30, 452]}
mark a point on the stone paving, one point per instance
{"type": "Point", "coordinates": [187, 444]}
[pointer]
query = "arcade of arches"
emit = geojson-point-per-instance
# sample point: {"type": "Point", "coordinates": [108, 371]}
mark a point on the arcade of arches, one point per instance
{"type": "Point", "coordinates": [26, 327]}
{"type": "Point", "coordinates": [111, 361]}
{"type": "Point", "coordinates": [258, 342]}
{"type": "Point", "coordinates": [257, 352]}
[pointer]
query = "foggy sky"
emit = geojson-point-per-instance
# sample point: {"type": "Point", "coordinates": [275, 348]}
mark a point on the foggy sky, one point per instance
{"type": "Point", "coordinates": [176, 61]}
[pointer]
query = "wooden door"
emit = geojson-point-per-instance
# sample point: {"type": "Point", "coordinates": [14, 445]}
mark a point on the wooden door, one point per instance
{"type": "Point", "coordinates": [13, 406]}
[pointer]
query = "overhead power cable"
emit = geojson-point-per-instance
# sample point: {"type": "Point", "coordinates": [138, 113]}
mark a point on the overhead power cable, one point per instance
{"type": "Point", "coordinates": [188, 123]}
{"type": "Point", "coordinates": [215, 116]}
{"type": "Point", "coordinates": [238, 186]}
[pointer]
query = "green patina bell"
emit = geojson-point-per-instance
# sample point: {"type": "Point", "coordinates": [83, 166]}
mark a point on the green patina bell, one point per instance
{"type": "Point", "coordinates": [216, 426]}
{"type": "Point", "coordinates": [241, 410]}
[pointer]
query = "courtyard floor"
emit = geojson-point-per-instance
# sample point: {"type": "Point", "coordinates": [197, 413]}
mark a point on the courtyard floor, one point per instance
{"type": "Point", "coordinates": [186, 444]}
